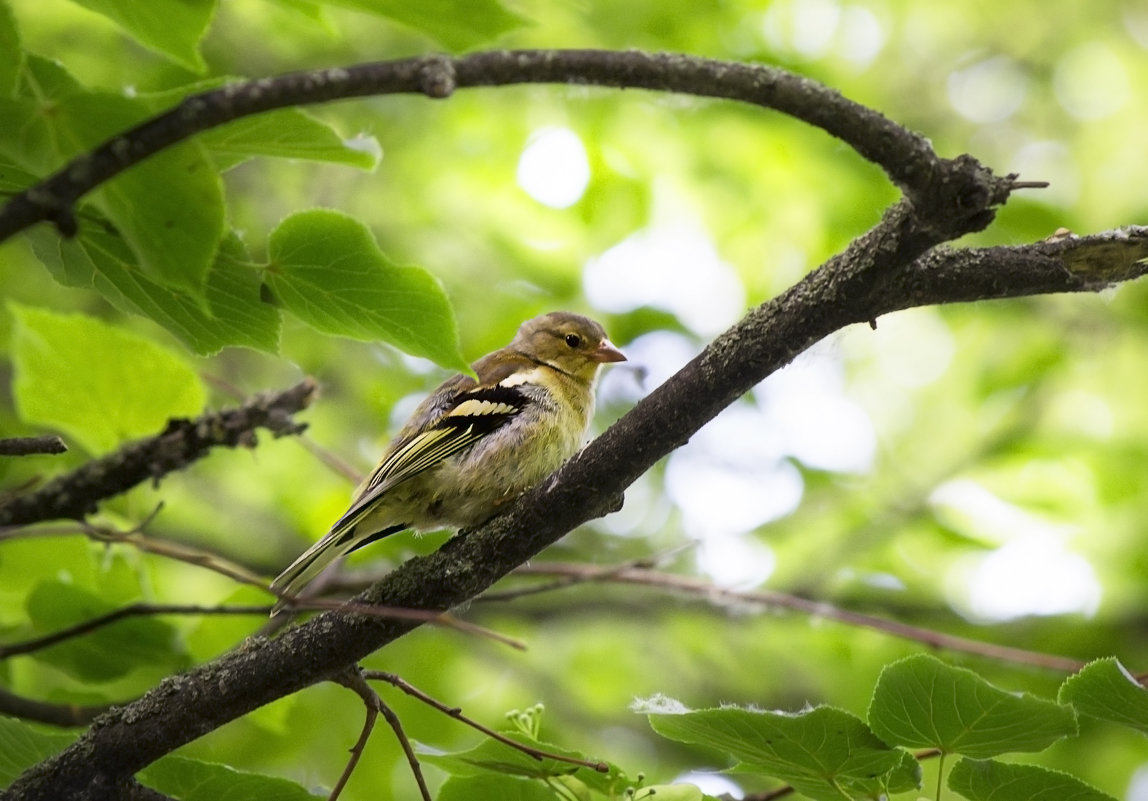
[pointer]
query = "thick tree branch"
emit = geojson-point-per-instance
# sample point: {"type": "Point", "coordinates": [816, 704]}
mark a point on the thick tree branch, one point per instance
{"type": "Point", "coordinates": [181, 443]}
{"type": "Point", "coordinates": [885, 270]}
{"type": "Point", "coordinates": [891, 267]}
{"type": "Point", "coordinates": [930, 182]}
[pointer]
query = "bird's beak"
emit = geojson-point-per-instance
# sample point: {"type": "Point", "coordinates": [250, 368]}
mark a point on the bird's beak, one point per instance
{"type": "Point", "coordinates": [606, 352]}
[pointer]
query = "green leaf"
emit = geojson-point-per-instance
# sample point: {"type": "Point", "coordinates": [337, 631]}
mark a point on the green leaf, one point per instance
{"type": "Point", "coordinates": [13, 178]}
{"type": "Point", "coordinates": [193, 780]}
{"type": "Point", "coordinates": [289, 134]}
{"type": "Point", "coordinates": [327, 270]}
{"type": "Point", "coordinates": [822, 752]}
{"type": "Point", "coordinates": [674, 792]}
{"type": "Point", "coordinates": [458, 26]}
{"type": "Point", "coordinates": [169, 208]}
{"type": "Point", "coordinates": [1105, 690]}
{"type": "Point", "coordinates": [492, 787]}
{"type": "Point", "coordinates": [312, 10]}
{"type": "Point", "coordinates": [21, 747]}
{"type": "Point", "coordinates": [231, 312]}
{"type": "Point", "coordinates": [107, 652]}
{"type": "Point", "coordinates": [98, 383]}
{"type": "Point", "coordinates": [172, 28]}
{"type": "Point", "coordinates": [920, 702]}
{"type": "Point", "coordinates": [491, 756]}
{"type": "Point", "coordinates": [997, 781]}
{"type": "Point", "coordinates": [11, 51]}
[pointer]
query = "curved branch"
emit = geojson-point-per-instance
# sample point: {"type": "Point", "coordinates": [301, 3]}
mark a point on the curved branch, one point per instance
{"type": "Point", "coordinates": [889, 268]}
{"type": "Point", "coordinates": [574, 572]}
{"type": "Point", "coordinates": [141, 609]}
{"type": "Point", "coordinates": [928, 180]}
{"type": "Point", "coordinates": [66, 715]}
{"type": "Point", "coordinates": [183, 441]}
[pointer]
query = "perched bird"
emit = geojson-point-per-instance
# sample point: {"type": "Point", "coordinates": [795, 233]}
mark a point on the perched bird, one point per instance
{"type": "Point", "coordinates": [471, 446]}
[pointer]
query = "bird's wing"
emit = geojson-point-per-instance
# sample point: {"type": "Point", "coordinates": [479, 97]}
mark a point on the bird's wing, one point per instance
{"type": "Point", "coordinates": [474, 414]}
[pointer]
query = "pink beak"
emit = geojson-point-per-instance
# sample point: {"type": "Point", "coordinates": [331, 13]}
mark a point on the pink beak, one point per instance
{"type": "Point", "coordinates": [606, 352]}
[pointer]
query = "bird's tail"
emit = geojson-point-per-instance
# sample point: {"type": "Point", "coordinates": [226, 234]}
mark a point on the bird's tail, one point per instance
{"type": "Point", "coordinates": [311, 563]}
{"type": "Point", "coordinates": [339, 541]}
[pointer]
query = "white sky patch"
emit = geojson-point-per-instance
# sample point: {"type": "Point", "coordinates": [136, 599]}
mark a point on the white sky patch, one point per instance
{"type": "Point", "coordinates": [645, 511]}
{"type": "Point", "coordinates": [910, 349]}
{"type": "Point", "coordinates": [736, 562]}
{"type": "Point", "coordinates": [1091, 82]}
{"type": "Point", "coordinates": [740, 437]}
{"type": "Point", "coordinates": [804, 26]}
{"type": "Point", "coordinates": [1084, 413]}
{"type": "Point", "coordinates": [1138, 786]}
{"type": "Point", "coordinates": [1135, 20]}
{"type": "Point", "coordinates": [366, 143]}
{"type": "Point", "coordinates": [553, 168]}
{"type": "Point", "coordinates": [979, 514]}
{"type": "Point", "coordinates": [988, 91]}
{"type": "Point", "coordinates": [712, 784]}
{"type": "Point", "coordinates": [722, 500]}
{"type": "Point", "coordinates": [861, 37]}
{"type": "Point", "coordinates": [671, 267]}
{"type": "Point", "coordinates": [1051, 161]}
{"type": "Point", "coordinates": [814, 420]}
{"type": "Point", "coordinates": [1032, 573]}
{"type": "Point", "coordinates": [729, 480]}
{"type": "Point", "coordinates": [1031, 576]}
{"type": "Point", "coordinates": [816, 28]}
{"type": "Point", "coordinates": [403, 408]}
{"type": "Point", "coordinates": [650, 360]}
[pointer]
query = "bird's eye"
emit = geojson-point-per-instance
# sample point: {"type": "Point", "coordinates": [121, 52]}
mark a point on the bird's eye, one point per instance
{"type": "Point", "coordinates": [573, 340]}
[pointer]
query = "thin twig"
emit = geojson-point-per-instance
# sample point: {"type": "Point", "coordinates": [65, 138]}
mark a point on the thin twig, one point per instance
{"type": "Point", "coordinates": [604, 574]}
{"type": "Point", "coordinates": [716, 595]}
{"type": "Point", "coordinates": [135, 538]}
{"type": "Point", "coordinates": [412, 758]}
{"type": "Point", "coordinates": [182, 442]}
{"type": "Point", "coordinates": [64, 715]}
{"type": "Point", "coordinates": [176, 551]}
{"type": "Point", "coordinates": [444, 619]}
{"type": "Point", "coordinates": [42, 531]}
{"type": "Point", "coordinates": [32, 446]}
{"type": "Point", "coordinates": [325, 455]}
{"type": "Point", "coordinates": [131, 610]}
{"type": "Point", "coordinates": [335, 463]}
{"type": "Point", "coordinates": [353, 678]}
{"type": "Point", "coordinates": [456, 713]}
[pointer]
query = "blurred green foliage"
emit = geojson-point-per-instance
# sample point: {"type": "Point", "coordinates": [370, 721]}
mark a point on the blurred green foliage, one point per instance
{"type": "Point", "coordinates": [976, 469]}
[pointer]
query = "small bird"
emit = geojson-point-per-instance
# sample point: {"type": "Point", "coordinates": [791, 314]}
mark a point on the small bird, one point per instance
{"type": "Point", "coordinates": [472, 446]}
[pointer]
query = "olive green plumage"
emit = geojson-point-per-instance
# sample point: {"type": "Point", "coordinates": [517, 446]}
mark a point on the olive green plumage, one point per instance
{"type": "Point", "coordinates": [471, 446]}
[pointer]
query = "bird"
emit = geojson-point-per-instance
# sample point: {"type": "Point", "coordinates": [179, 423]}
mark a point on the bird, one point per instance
{"type": "Point", "coordinates": [474, 444]}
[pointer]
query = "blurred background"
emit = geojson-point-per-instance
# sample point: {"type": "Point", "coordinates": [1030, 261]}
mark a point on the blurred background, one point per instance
{"type": "Point", "coordinates": [976, 469]}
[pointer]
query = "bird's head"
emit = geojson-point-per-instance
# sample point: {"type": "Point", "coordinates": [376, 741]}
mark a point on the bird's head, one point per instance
{"type": "Point", "coordinates": [569, 342]}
